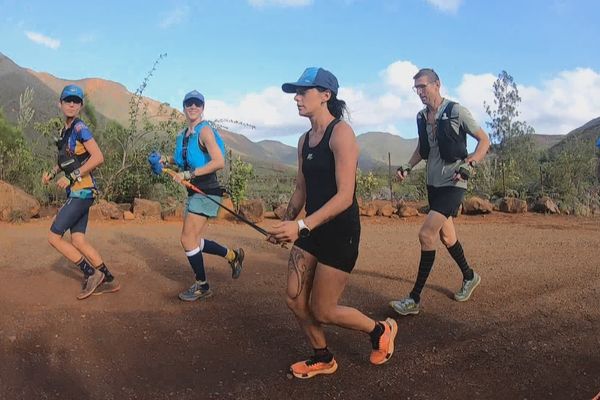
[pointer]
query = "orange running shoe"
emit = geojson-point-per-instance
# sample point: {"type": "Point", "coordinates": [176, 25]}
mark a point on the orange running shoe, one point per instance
{"type": "Point", "coordinates": [383, 350]}
{"type": "Point", "coordinates": [311, 367]}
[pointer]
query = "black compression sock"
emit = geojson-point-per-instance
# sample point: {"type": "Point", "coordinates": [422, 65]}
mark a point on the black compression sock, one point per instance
{"type": "Point", "coordinates": [376, 333]}
{"type": "Point", "coordinates": [85, 267]}
{"type": "Point", "coordinates": [425, 265]}
{"type": "Point", "coordinates": [108, 277]}
{"type": "Point", "coordinates": [457, 253]}
{"type": "Point", "coordinates": [323, 355]}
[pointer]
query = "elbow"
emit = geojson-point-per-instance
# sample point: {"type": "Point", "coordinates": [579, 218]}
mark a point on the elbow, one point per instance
{"type": "Point", "coordinates": [347, 201]}
{"type": "Point", "coordinates": [100, 160]}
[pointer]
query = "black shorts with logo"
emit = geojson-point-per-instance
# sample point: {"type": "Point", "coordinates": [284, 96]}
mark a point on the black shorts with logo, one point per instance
{"type": "Point", "coordinates": [72, 216]}
{"type": "Point", "coordinates": [334, 244]}
{"type": "Point", "coordinates": [446, 199]}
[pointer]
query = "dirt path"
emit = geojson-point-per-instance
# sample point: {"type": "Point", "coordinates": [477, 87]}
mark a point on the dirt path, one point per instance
{"type": "Point", "coordinates": [531, 331]}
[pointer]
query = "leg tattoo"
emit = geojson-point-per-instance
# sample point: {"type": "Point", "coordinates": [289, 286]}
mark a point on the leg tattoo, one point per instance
{"type": "Point", "coordinates": [297, 265]}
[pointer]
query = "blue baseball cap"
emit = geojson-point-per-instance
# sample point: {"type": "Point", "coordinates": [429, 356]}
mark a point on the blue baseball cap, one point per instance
{"type": "Point", "coordinates": [194, 94]}
{"type": "Point", "coordinates": [312, 77]}
{"type": "Point", "coordinates": [71, 90]}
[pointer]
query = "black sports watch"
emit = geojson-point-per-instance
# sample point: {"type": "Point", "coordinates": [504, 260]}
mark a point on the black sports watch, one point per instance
{"type": "Point", "coordinates": [303, 230]}
{"type": "Point", "coordinates": [76, 175]}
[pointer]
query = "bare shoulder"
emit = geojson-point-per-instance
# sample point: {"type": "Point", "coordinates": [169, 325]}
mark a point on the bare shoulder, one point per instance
{"type": "Point", "coordinates": [207, 132]}
{"type": "Point", "coordinates": [342, 133]}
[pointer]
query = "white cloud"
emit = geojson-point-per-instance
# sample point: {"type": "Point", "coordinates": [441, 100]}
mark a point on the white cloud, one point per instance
{"type": "Point", "coordinates": [175, 16]}
{"type": "Point", "coordinates": [43, 40]}
{"type": "Point", "coordinates": [473, 91]}
{"type": "Point", "coordinates": [388, 104]}
{"type": "Point", "coordinates": [280, 3]}
{"type": "Point", "coordinates": [450, 6]}
{"type": "Point", "coordinates": [400, 75]}
{"type": "Point", "coordinates": [557, 106]}
{"type": "Point", "coordinates": [562, 103]}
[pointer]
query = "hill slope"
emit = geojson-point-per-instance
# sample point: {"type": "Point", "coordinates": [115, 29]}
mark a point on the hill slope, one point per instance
{"type": "Point", "coordinates": [588, 132]}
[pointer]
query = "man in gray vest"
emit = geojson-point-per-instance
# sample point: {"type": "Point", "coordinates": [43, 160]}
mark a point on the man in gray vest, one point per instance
{"type": "Point", "coordinates": [443, 128]}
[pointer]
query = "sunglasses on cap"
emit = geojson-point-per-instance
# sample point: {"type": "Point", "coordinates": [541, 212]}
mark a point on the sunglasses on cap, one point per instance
{"type": "Point", "coordinates": [193, 102]}
{"type": "Point", "coordinates": [72, 99]}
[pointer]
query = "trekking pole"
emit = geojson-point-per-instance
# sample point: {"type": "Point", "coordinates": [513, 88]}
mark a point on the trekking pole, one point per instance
{"type": "Point", "coordinates": [157, 168]}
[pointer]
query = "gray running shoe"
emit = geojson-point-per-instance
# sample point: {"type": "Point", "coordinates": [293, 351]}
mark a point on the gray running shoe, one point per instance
{"type": "Point", "coordinates": [467, 288]}
{"type": "Point", "coordinates": [405, 306]}
{"type": "Point", "coordinates": [90, 283]}
{"type": "Point", "coordinates": [195, 292]}
{"type": "Point", "coordinates": [236, 265]}
{"type": "Point", "coordinates": [108, 287]}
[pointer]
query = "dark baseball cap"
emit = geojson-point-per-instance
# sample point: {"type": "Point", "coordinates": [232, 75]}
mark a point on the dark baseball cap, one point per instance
{"type": "Point", "coordinates": [194, 94]}
{"type": "Point", "coordinates": [71, 91]}
{"type": "Point", "coordinates": [312, 77]}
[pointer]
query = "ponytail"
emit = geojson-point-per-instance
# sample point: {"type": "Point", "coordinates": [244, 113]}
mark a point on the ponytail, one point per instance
{"type": "Point", "coordinates": [336, 107]}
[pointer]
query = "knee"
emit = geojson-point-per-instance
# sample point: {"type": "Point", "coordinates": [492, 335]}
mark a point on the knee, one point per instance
{"type": "Point", "coordinates": [186, 243]}
{"type": "Point", "coordinates": [53, 239]}
{"type": "Point", "coordinates": [78, 242]}
{"type": "Point", "coordinates": [298, 307]}
{"type": "Point", "coordinates": [426, 238]}
{"type": "Point", "coordinates": [322, 314]}
{"type": "Point", "coordinates": [447, 240]}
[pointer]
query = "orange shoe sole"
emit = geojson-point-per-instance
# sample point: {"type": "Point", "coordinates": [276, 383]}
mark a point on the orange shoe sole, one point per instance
{"type": "Point", "coordinates": [311, 374]}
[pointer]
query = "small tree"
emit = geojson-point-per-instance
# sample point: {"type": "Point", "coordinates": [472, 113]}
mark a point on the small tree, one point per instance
{"type": "Point", "coordinates": [26, 112]}
{"type": "Point", "coordinates": [514, 164]}
{"type": "Point", "coordinates": [125, 172]}
{"type": "Point", "coordinates": [365, 184]}
{"type": "Point", "coordinates": [241, 172]}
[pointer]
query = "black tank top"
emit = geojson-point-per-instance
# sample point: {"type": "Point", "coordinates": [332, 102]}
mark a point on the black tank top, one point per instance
{"type": "Point", "coordinates": [318, 168]}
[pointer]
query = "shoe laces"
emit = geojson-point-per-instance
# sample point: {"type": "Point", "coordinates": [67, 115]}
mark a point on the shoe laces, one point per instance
{"type": "Point", "coordinates": [407, 302]}
{"type": "Point", "coordinates": [312, 361]}
{"type": "Point", "coordinates": [315, 359]}
{"type": "Point", "coordinates": [197, 286]}
{"type": "Point", "coordinates": [465, 286]}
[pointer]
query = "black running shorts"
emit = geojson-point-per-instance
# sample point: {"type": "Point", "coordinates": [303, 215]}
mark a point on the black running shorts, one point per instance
{"type": "Point", "coordinates": [73, 215]}
{"type": "Point", "coordinates": [446, 200]}
{"type": "Point", "coordinates": [334, 244]}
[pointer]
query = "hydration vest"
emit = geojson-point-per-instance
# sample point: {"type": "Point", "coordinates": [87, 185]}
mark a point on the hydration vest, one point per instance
{"type": "Point", "coordinates": [67, 160]}
{"type": "Point", "coordinates": [190, 154]}
{"type": "Point", "coordinates": [452, 144]}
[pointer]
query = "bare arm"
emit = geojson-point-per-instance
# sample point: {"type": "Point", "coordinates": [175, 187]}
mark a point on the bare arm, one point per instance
{"type": "Point", "coordinates": [483, 145]}
{"type": "Point", "coordinates": [96, 157]}
{"type": "Point", "coordinates": [298, 198]}
{"type": "Point", "coordinates": [416, 157]}
{"type": "Point", "coordinates": [412, 162]}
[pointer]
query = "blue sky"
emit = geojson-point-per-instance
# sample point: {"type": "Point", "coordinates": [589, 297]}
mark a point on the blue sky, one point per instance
{"type": "Point", "coordinates": [238, 52]}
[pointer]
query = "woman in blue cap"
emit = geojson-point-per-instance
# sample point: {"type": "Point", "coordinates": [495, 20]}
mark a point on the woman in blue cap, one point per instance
{"type": "Point", "coordinates": [78, 156]}
{"type": "Point", "coordinates": [326, 240]}
{"type": "Point", "coordinates": [200, 153]}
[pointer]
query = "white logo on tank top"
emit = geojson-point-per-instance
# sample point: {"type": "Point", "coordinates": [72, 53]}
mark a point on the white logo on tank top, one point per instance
{"type": "Point", "coordinates": [309, 156]}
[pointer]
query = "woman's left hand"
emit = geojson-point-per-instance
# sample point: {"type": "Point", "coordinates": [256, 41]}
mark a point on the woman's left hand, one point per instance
{"type": "Point", "coordinates": [63, 182]}
{"type": "Point", "coordinates": [286, 231]}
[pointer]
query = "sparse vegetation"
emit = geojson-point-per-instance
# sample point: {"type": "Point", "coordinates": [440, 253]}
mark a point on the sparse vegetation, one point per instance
{"type": "Point", "coordinates": [565, 172]}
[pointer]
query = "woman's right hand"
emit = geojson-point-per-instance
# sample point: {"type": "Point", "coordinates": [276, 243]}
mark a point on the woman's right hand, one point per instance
{"type": "Point", "coordinates": [45, 178]}
{"type": "Point", "coordinates": [402, 172]}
